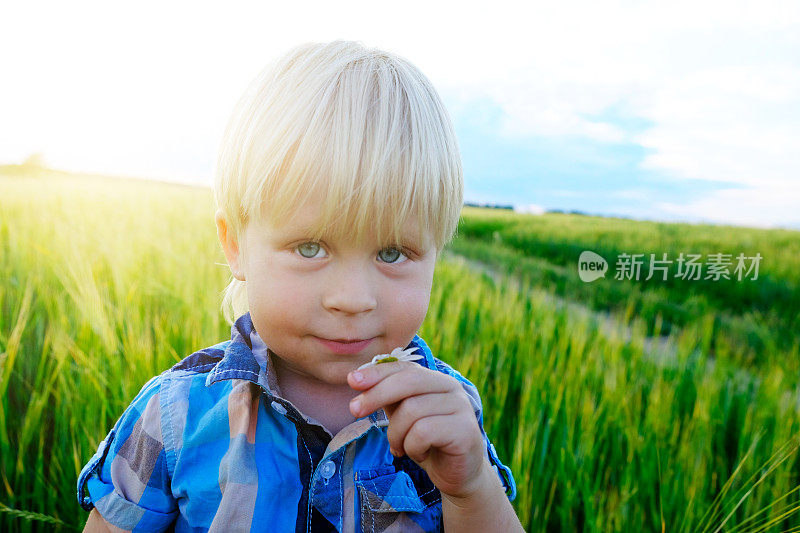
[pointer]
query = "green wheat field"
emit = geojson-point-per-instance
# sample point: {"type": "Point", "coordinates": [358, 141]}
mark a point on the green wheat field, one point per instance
{"type": "Point", "coordinates": [619, 405]}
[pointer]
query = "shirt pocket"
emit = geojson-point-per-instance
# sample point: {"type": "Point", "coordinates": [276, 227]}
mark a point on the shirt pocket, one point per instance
{"type": "Point", "coordinates": [390, 500]}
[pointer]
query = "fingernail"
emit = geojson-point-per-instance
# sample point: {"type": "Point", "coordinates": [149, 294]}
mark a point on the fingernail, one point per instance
{"type": "Point", "coordinates": [358, 377]}
{"type": "Point", "coordinates": [355, 405]}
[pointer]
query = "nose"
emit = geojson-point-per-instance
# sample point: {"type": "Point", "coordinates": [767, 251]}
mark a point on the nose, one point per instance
{"type": "Point", "coordinates": [350, 291]}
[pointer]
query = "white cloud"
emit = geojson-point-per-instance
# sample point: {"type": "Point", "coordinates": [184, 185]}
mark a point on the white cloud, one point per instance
{"type": "Point", "coordinates": [531, 209]}
{"type": "Point", "coordinates": [736, 124]}
{"type": "Point", "coordinates": [759, 207]}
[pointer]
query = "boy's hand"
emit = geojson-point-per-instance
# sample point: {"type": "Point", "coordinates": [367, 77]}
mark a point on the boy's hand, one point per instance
{"type": "Point", "coordinates": [430, 419]}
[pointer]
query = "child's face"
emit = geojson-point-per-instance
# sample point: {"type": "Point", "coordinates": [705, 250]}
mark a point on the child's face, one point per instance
{"type": "Point", "coordinates": [304, 296]}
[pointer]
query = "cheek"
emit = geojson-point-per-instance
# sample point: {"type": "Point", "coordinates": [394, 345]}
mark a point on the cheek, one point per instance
{"type": "Point", "coordinates": [279, 299]}
{"type": "Point", "coordinates": [279, 316]}
{"type": "Point", "coordinates": [411, 302]}
{"type": "Point", "coordinates": [417, 306]}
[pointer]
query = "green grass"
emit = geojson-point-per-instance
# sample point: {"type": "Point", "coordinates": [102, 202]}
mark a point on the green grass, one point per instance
{"type": "Point", "coordinates": [753, 320]}
{"type": "Point", "coordinates": [608, 423]}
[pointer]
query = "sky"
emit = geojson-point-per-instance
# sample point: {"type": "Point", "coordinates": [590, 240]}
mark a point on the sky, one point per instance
{"type": "Point", "coordinates": [677, 111]}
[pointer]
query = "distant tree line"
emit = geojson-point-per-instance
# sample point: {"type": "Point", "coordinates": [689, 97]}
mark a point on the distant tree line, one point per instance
{"type": "Point", "coordinates": [511, 208]}
{"type": "Point", "coordinates": [490, 206]}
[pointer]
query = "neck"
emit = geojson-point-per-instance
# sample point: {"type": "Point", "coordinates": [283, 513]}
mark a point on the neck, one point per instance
{"type": "Point", "coordinates": [328, 403]}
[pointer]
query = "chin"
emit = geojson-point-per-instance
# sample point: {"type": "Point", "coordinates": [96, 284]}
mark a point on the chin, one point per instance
{"type": "Point", "coordinates": [337, 374]}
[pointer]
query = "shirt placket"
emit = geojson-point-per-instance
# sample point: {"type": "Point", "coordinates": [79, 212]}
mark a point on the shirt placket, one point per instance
{"type": "Point", "coordinates": [332, 489]}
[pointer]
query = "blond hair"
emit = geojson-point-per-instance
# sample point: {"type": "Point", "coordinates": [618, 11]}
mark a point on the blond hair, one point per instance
{"type": "Point", "coordinates": [360, 126]}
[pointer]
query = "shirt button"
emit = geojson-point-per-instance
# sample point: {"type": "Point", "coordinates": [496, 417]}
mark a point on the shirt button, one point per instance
{"type": "Point", "coordinates": [278, 407]}
{"type": "Point", "coordinates": [328, 469]}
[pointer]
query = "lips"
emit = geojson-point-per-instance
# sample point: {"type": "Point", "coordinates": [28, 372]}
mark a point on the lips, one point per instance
{"type": "Point", "coordinates": [345, 346]}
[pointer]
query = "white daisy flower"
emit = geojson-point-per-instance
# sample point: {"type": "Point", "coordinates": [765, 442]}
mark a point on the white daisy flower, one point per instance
{"type": "Point", "coordinates": [398, 354]}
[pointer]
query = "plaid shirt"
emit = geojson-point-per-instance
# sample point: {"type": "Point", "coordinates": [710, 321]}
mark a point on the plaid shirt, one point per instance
{"type": "Point", "coordinates": [210, 445]}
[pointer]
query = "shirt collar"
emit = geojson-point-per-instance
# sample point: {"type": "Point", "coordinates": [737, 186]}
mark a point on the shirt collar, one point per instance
{"type": "Point", "coordinates": [240, 361]}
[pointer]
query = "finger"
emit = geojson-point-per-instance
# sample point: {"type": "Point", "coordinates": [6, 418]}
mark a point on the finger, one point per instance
{"type": "Point", "coordinates": [367, 377]}
{"type": "Point", "coordinates": [415, 407]}
{"type": "Point", "coordinates": [442, 432]}
{"type": "Point", "coordinates": [399, 385]}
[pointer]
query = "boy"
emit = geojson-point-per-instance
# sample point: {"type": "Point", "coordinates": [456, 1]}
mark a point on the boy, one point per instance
{"type": "Point", "coordinates": [338, 183]}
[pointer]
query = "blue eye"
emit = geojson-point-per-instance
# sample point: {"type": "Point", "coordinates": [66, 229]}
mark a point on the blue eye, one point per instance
{"type": "Point", "coordinates": [391, 255]}
{"type": "Point", "coordinates": [308, 249]}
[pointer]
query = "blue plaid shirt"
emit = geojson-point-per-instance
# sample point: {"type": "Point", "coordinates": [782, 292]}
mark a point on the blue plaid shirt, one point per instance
{"type": "Point", "coordinates": [210, 445]}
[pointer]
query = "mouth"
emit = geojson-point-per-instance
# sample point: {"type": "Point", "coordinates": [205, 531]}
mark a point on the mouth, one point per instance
{"type": "Point", "coordinates": [345, 346]}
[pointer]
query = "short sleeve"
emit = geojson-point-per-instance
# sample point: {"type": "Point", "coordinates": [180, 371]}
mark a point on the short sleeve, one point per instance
{"type": "Point", "coordinates": [127, 479]}
{"type": "Point", "coordinates": [504, 472]}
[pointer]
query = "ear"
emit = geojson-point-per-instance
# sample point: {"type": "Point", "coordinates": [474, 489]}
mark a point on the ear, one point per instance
{"type": "Point", "coordinates": [229, 246]}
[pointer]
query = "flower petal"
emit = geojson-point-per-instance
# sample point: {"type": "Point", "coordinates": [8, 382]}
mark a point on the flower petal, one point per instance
{"type": "Point", "coordinates": [398, 353]}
